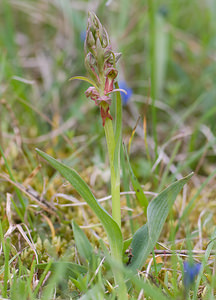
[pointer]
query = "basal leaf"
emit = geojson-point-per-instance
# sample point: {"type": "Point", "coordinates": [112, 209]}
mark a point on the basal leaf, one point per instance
{"type": "Point", "coordinates": [147, 236]}
{"type": "Point", "coordinates": [159, 208]}
{"type": "Point", "coordinates": [111, 227]}
{"type": "Point", "coordinates": [141, 247]}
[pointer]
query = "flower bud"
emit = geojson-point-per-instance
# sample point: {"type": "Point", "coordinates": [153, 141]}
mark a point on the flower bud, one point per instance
{"type": "Point", "coordinates": [110, 60]}
{"type": "Point", "coordinates": [90, 64]}
{"type": "Point", "coordinates": [100, 57]}
{"type": "Point", "coordinates": [90, 43]}
{"type": "Point", "coordinates": [107, 53]}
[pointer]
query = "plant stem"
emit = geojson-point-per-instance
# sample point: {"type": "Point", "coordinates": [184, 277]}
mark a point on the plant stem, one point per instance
{"type": "Point", "coordinates": [113, 145]}
{"type": "Point", "coordinates": [117, 268]}
{"type": "Point", "coordinates": [118, 275]}
{"type": "Point", "coordinates": [115, 172]}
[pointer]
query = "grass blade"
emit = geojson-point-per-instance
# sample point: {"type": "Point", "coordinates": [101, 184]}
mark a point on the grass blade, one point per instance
{"type": "Point", "coordinates": [82, 243]}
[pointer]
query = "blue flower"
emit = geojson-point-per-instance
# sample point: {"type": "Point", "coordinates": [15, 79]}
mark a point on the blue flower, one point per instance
{"type": "Point", "coordinates": [125, 98]}
{"type": "Point", "coordinates": [83, 35]}
{"type": "Point", "coordinates": [191, 270]}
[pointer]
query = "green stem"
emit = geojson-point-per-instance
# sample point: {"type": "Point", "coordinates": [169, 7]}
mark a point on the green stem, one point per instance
{"type": "Point", "coordinates": [115, 172]}
{"type": "Point", "coordinates": [117, 268]}
{"type": "Point", "coordinates": [114, 160]}
{"type": "Point", "coordinates": [118, 275]}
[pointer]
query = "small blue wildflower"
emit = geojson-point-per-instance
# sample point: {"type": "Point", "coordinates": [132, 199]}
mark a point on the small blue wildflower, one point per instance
{"type": "Point", "coordinates": [83, 35]}
{"type": "Point", "coordinates": [191, 270]}
{"type": "Point", "coordinates": [125, 98]}
{"type": "Point", "coordinates": [163, 11]}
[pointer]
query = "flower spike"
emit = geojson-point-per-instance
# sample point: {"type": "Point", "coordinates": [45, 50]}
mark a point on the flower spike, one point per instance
{"type": "Point", "coordinates": [100, 63]}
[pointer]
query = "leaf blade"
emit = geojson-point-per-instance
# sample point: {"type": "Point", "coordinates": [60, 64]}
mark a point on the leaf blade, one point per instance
{"type": "Point", "coordinates": [146, 237]}
{"type": "Point", "coordinates": [111, 227]}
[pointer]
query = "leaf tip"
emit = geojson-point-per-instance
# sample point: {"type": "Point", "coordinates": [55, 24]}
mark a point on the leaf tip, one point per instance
{"type": "Point", "coordinates": [38, 151]}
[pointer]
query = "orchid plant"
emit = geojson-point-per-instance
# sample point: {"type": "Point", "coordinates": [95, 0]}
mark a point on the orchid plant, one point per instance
{"type": "Point", "coordinates": [100, 61]}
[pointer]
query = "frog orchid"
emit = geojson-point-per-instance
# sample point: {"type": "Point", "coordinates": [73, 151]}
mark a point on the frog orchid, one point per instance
{"type": "Point", "coordinates": [100, 63]}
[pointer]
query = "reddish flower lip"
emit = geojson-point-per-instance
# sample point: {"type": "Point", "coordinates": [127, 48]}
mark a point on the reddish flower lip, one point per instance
{"type": "Point", "coordinates": [110, 77]}
{"type": "Point", "coordinates": [95, 96]}
{"type": "Point", "coordinates": [105, 114]}
{"type": "Point", "coordinates": [103, 101]}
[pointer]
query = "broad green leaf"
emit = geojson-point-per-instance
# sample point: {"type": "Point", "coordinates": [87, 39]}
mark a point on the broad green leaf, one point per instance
{"type": "Point", "coordinates": [71, 269]}
{"type": "Point", "coordinates": [111, 227]}
{"type": "Point", "coordinates": [141, 247]}
{"type": "Point", "coordinates": [147, 236]}
{"type": "Point", "coordinates": [82, 243]}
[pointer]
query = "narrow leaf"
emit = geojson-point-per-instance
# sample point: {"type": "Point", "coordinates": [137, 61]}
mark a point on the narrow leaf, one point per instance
{"type": "Point", "coordinates": [86, 79]}
{"type": "Point", "coordinates": [147, 236]}
{"type": "Point", "coordinates": [111, 227]}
